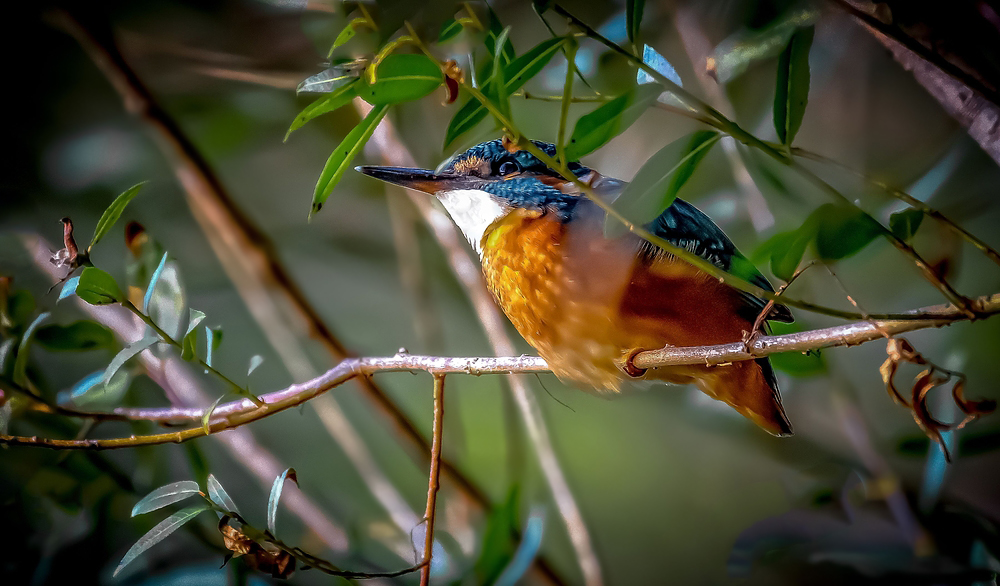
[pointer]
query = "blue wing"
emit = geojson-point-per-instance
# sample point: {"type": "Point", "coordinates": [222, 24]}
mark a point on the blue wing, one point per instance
{"type": "Point", "coordinates": [685, 226]}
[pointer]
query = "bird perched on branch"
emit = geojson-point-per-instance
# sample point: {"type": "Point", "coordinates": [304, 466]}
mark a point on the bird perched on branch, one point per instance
{"type": "Point", "coordinates": [588, 303]}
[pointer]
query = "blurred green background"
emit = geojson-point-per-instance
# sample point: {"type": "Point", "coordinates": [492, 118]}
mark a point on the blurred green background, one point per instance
{"type": "Point", "coordinates": [673, 487]}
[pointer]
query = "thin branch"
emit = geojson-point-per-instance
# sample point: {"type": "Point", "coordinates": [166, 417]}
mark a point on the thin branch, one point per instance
{"type": "Point", "coordinates": [433, 479]}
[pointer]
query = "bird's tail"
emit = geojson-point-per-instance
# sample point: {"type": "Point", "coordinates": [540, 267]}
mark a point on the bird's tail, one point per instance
{"type": "Point", "coordinates": [749, 387]}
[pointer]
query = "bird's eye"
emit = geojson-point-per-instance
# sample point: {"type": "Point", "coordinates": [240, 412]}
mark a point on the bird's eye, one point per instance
{"type": "Point", "coordinates": [508, 167]}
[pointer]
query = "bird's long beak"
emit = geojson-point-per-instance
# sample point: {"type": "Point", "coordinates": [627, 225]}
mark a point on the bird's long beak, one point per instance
{"type": "Point", "coordinates": [418, 179]}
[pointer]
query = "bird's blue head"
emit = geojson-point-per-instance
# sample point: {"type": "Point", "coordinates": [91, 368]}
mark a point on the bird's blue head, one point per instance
{"type": "Point", "coordinates": [486, 182]}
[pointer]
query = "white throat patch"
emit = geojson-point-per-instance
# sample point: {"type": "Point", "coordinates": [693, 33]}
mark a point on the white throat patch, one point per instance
{"type": "Point", "coordinates": [473, 211]}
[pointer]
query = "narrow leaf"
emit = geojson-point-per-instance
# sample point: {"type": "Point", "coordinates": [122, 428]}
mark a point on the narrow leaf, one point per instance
{"type": "Point", "coordinates": [213, 339]}
{"type": "Point", "coordinates": [401, 78]}
{"type": "Point", "coordinates": [21, 361]}
{"type": "Point", "coordinates": [189, 345]}
{"type": "Point", "coordinates": [69, 288]}
{"type": "Point", "coordinates": [515, 75]}
{"type": "Point", "coordinates": [595, 129]}
{"type": "Point", "coordinates": [347, 34]}
{"type": "Point", "coordinates": [449, 30]}
{"type": "Point", "coordinates": [128, 352]}
{"type": "Point", "coordinates": [337, 99]}
{"type": "Point", "coordinates": [792, 92]}
{"type": "Point", "coordinates": [659, 180]}
{"type": "Point", "coordinates": [153, 280]}
{"type": "Point", "coordinates": [734, 55]}
{"type": "Point", "coordinates": [167, 494]}
{"type": "Point", "coordinates": [207, 417]}
{"type": "Point", "coordinates": [789, 249]}
{"type": "Point", "coordinates": [255, 361]}
{"type": "Point", "coordinates": [272, 502]}
{"type": "Point", "coordinates": [81, 335]}
{"type": "Point", "coordinates": [633, 19]}
{"type": "Point", "coordinates": [329, 80]}
{"type": "Point", "coordinates": [159, 533]}
{"type": "Point", "coordinates": [495, 28]}
{"type": "Point", "coordinates": [499, 83]}
{"type": "Point", "coordinates": [97, 287]}
{"type": "Point", "coordinates": [659, 63]}
{"type": "Point", "coordinates": [219, 495]}
{"type": "Point", "coordinates": [531, 542]}
{"type": "Point", "coordinates": [342, 156]}
{"type": "Point", "coordinates": [905, 224]}
{"type": "Point", "coordinates": [114, 211]}
{"type": "Point", "coordinates": [843, 230]}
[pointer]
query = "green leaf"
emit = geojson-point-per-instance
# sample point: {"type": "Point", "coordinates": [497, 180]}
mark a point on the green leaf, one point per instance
{"type": "Point", "coordinates": [189, 345]}
{"type": "Point", "coordinates": [347, 34]}
{"type": "Point", "coordinates": [335, 100]}
{"type": "Point", "coordinates": [497, 548]}
{"type": "Point", "coordinates": [92, 393]}
{"type": "Point", "coordinates": [595, 129]}
{"type": "Point", "coordinates": [401, 78]}
{"type": "Point", "coordinates": [734, 55]}
{"type": "Point", "coordinates": [905, 224]}
{"type": "Point", "coordinates": [206, 418]}
{"type": "Point", "coordinates": [21, 361]}
{"type": "Point", "coordinates": [152, 283]}
{"type": "Point", "coordinates": [843, 230]}
{"type": "Point", "coordinates": [128, 352]}
{"type": "Point", "coordinates": [219, 495]}
{"type": "Point", "coordinates": [20, 307]}
{"type": "Point", "coordinates": [495, 28]}
{"type": "Point", "coordinates": [69, 288]}
{"type": "Point", "coordinates": [789, 250]}
{"type": "Point", "coordinates": [515, 75]}
{"type": "Point", "coordinates": [498, 83]}
{"type": "Point", "coordinates": [166, 495]}
{"type": "Point", "coordinates": [81, 335]}
{"type": "Point", "coordinates": [633, 19]}
{"type": "Point", "coordinates": [342, 156]}
{"type": "Point", "coordinates": [272, 501]}
{"type": "Point", "coordinates": [97, 287]}
{"type": "Point", "coordinates": [792, 91]}
{"type": "Point", "coordinates": [159, 533]}
{"type": "Point", "coordinates": [659, 180]}
{"type": "Point", "coordinates": [449, 30]}
{"type": "Point", "coordinates": [213, 339]}
{"type": "Point", "coordinates": [111, 215]}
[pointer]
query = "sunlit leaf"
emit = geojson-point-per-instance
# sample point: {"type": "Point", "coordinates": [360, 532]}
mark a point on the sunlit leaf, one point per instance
{"type": "Point", "coordinates": [167, 494]}
{"type": "Point", "coordinates": [659, 180]}
{"type": "Point", "coordinates": [111, 215]}
{"type": "Point", "coordinates": [330, 80]}
{"type": "Point", "coordinates": [347, 34]}
{"type": "Point", "coordinates": [515, 75]}
{"type": "Point", "coordinates": [91, 392]}
{"type": "Point", "coordinates": [152, 283]}
{"type": "Point", "coordinates": [272, 501]}
{"type": "Point", "coordinates": [663, 67]}
{"type": "Point", "coordinates": [69, 287]}
{"type": "Point", "coordinates": [337, 99]}
{"type": "Point", "coordinates": [595, 129]}
{"type": "Point", "coordinates": [21, 361]}
{"type": "Point", "coordinates": [633, 18]}
{"type": "Point", "coordinates": [792, 90]}
{"type": "Point", "coordinates": [401, 78]}
{"type": "Point", "coordinates": [189, 345]}
{"type": "Point", "coordinates": [213, 339]}
{"type": "Point", "coordinates": [81, 335]}
{"type": "Point", "coordinates": [843, 230]}
{"type": "Point", "coordinates": [342, 156]}
{"type": "Point", "coordinates": [128, 352]}
{"type": "Point", "coordinates": [735, 54]}
{"type": "Point", "coordinates": [255, 361]}
{"type": "Point", "coordinates": [905, 224]}
{"type": "Point", "coordinates": [219, 495]}
{"type": "Point", "coordinates": [159, 533]}
{"type": "Point", "coordinates": [97, 287]}
{"type": "Point", "coordinates": [206, 418]}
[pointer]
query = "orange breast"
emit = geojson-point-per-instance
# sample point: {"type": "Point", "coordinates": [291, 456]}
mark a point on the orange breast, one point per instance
{"type": "Point", "coordinates": [586, 302]}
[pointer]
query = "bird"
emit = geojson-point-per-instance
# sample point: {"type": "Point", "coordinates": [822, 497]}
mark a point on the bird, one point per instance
{"type": "Point", "coordinates": [588, 302]}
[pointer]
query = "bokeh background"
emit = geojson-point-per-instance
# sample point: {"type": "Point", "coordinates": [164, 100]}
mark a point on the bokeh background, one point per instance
{"type": "Point", "coordinates": [674, 488]}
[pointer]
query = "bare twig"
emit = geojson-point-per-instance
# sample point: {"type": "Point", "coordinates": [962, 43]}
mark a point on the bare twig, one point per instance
{"type": "Point", "coordinates": [433, 477]}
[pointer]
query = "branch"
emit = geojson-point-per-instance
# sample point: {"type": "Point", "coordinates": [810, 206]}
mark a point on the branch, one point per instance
{"type": "Point", "coordinates": [240, 412]}
{"type": "Point", "coordinates": [433, 480]}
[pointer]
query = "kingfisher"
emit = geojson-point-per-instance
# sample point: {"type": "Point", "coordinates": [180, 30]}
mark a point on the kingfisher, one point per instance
{"type": "Point", "coordinates": [588, 302]}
